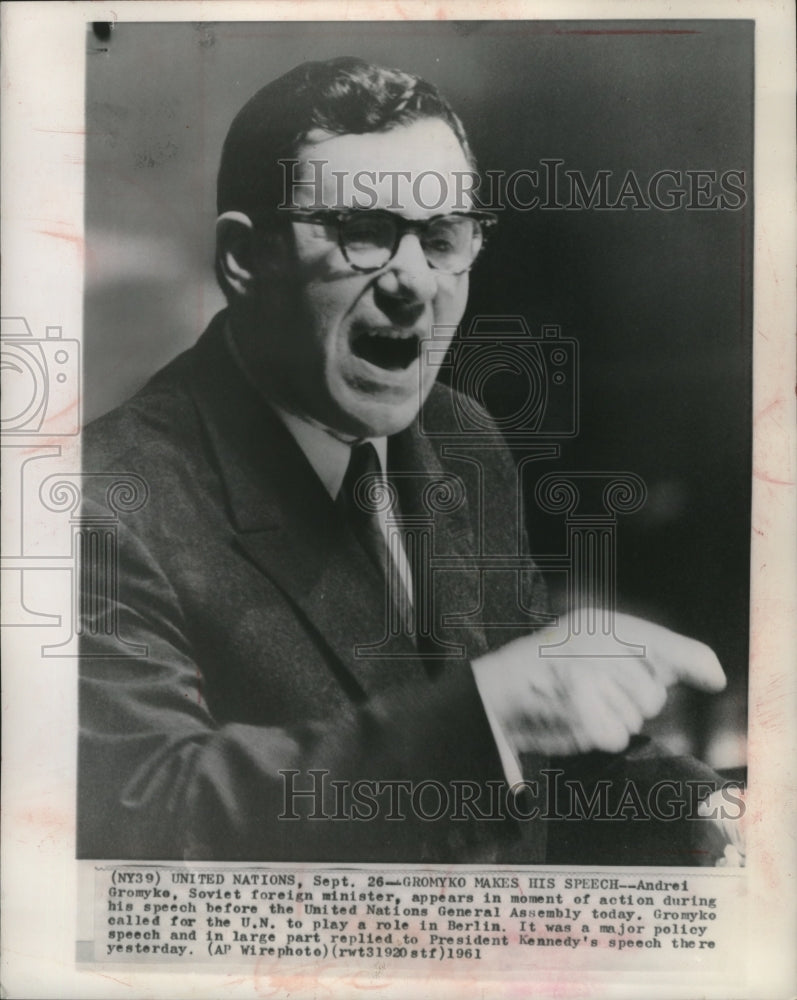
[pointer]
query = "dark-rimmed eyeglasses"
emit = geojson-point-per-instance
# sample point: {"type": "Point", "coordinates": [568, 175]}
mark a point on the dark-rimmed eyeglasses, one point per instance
{"type": "Point", "coordinates": [369, 238]}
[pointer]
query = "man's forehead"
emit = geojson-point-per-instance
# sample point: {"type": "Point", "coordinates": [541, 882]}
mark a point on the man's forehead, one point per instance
{"type": "Point", "coordinates": [416, 169]}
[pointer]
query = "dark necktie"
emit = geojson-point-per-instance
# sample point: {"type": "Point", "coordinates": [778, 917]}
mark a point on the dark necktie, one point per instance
{"type": "Point", "coordinates": [363, 479]}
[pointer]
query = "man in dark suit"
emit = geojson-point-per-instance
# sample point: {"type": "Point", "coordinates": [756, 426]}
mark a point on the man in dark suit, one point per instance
{"type": "Point", "coordinates": [304, 690]}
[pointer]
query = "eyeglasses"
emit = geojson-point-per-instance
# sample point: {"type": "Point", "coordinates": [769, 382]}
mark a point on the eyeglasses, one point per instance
{"type": "Point", "coordinates": [369, 238]}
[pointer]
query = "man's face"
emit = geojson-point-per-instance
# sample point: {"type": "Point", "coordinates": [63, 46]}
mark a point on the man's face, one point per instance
{"type": "Point", "coordinates": [346, 351]}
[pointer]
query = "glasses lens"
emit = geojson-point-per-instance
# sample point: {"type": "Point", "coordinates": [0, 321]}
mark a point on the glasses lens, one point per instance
{"type": "Point", "coordinates": [368, 239]}
{"type": "Point", "coordinates": [452, 243]}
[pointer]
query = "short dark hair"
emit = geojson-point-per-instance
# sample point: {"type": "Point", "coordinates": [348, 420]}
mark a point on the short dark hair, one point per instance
{"type": "Point", "coordinates": [341, 96]}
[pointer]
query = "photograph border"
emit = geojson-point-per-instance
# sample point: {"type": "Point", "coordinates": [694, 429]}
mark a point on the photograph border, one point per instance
{"type": "Point", "coordinates": [43, 163]}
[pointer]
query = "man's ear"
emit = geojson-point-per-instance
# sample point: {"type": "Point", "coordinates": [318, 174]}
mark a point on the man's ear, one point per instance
{"type": "Point", "coordinates": [235, 253]}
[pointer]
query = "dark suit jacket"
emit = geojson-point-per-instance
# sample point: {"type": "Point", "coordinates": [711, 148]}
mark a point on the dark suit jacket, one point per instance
{"type": "Point", "coordinates": [249, 592]}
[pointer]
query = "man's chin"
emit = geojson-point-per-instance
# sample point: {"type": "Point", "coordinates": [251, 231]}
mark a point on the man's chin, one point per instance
{"type": "Point", "coordinates": [374, 403]}
{"type": "Point", "coordinates": [374, 418]}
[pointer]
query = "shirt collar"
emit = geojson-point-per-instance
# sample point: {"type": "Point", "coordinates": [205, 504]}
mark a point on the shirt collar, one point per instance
{"type": "Point", "coordinates": [327, 451]}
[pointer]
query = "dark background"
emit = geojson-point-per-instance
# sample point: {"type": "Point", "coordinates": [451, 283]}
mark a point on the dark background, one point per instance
{"type": "Point", "coordinates": [660, 302]}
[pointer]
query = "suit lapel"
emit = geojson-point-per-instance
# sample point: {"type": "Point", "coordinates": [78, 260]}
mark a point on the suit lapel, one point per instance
{"type": "Point", "coordinates": [289, 527]}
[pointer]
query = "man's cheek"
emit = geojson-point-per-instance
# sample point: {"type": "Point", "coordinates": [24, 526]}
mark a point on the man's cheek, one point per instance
{"type": "Point", "coordinates": [322, 316]}
{"type": "Point", "coordinates": [331, 305]}
{"type": "Point", "coordinates": [450, 301]}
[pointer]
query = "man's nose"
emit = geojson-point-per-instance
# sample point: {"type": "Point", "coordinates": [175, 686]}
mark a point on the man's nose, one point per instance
{"type": "Point", "coordinates": [408, 277]}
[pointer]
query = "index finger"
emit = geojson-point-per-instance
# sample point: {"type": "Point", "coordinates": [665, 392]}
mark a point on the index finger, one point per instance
{"type": "Point", "coordinates": [677, 658]}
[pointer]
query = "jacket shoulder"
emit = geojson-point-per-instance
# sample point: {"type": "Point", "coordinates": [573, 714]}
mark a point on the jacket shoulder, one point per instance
{"type": "Point", "coordinates": [160, 416]}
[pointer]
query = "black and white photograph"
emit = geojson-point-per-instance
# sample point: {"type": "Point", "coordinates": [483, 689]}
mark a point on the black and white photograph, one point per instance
{"type": "Point", "coordinates": [391, 503]}
{"type": "Point", "coordinates": [504, 291]}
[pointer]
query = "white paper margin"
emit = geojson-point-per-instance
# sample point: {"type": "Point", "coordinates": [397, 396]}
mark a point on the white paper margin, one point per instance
{"type": "Point", "coordinates": [43, 67]}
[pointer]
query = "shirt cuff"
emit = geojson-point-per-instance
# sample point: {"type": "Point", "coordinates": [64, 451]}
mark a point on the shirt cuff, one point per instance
{"type": "Point", "coordinates": [509, 759]}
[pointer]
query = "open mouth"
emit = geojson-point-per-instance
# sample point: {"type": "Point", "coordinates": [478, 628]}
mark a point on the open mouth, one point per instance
{"type": "Point", "coordinates": [385, 350]}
